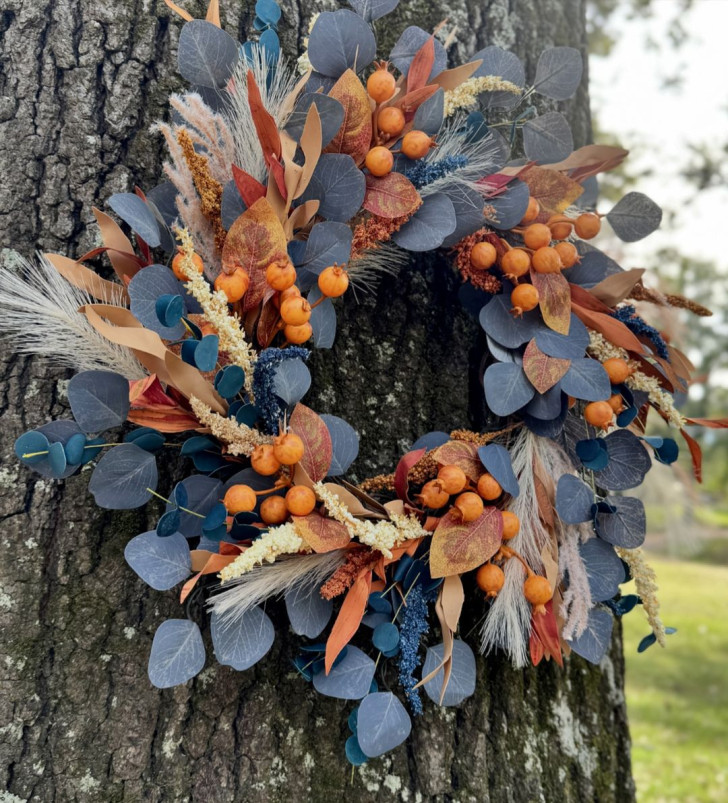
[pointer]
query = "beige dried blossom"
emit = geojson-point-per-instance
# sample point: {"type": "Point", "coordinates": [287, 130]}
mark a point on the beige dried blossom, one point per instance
{"type": "Point", "coordinates": [465, 96]}
{"type": "Point", "coordinates": [239, 438]}
{"type": "Point", "coordinates": [602, 349]}
{"type": "Point", "coordinates": [215, 306]}
{"type": "Point", "coordinates": [283, 540]}
{"type": "Point", "coordinates": [645, 581]}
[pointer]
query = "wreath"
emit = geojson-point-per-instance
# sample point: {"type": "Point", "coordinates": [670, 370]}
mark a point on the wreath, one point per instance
{"type": "Point", "coordinates": [287, 185]}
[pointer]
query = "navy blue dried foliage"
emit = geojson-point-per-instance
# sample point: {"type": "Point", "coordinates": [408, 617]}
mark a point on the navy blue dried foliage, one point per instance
{"type": "Point", "coordinates": [629, 317]}
{"type": "Point", "coordinates": [414, 626]}
{"type": "Point", "coordinates": [271, 408]}
{"type": "Point", "coordinates": [422, 172]}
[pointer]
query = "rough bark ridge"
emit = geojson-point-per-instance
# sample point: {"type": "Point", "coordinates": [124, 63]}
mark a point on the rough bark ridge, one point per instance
{"type": "Point", "coordinates": [80, 82]}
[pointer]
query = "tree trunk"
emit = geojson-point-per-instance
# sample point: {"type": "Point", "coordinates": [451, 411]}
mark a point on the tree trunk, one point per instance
{"type": "Point", "coordinates": [80, 83]}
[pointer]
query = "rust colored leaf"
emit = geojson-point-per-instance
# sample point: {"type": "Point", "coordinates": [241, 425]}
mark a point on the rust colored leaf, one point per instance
{"type": "Point", "coordinates": [711, 423]}
{"type": "Point", "coordinates": [682, 365]}
{"type": "Point", "coordinates": [553, 190]}
{"type": "Point", "coordinates": [451, 79]}
{"type": "Point", "coordinates": [254, 241]}
{"type": "Point", "coordinates": [412, 101]}
{"type": "Point", "coordinates": [401, 486]}
{"type": "Point", "coordinates": [250, 189]}
{"type": "Point", "coordinates": [614, 331]}
{"type": "Point", "coordinates": [267, 327]}
{"type": "Point", "coordinates": [315, 436]}
{"type": "Point", "coordinates": [354, 136]}
{"type": "Point", "coordinates": [349, 618]}
{"type": "Point", "coordinates": [462, 454]}
{"type": "Point", "coordinates": [265, 126]}
{"type": "Point", "coordinates": [617, 287]}
{"type": "Point", "coordinates": [554, 300]}
{"type": "Point", "coordinates": [590, 160]}
{"type": "Point", "coordinates": [585, 299]}
{"type": "Point", "coordinates": [421, 66]}
{"type": "Point", "coordinates": [696, 453]}
{"type": "Point", "coordinates": [121, 251]}
{"type": "Point", "coordinates": [543, 372]}
{"type": "Point", "coordinates": [320, 533]}
{"type": "Point", "coordinates": [391, 196]}
{"type": "Point", "coordinates": [545, 492]}
{"type": "Point", "coordinates": [212, 563]}
{"type": "Point", "coordinates": [151, 406]}
{"type": "Point", "coordinates": [86, 279]}
{"type": "Point", "coordinates": [458, 548]}
{"type": "Point", "coordinates": [545, 632]}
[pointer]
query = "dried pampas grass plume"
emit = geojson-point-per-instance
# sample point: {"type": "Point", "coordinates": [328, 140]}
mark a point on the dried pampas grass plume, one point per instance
{"type": "Point", "coordinates": [40, 315]}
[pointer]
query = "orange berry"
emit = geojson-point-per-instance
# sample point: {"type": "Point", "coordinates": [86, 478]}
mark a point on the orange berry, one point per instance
{"type": "Point", "coordinates": [524, 298]}
{"type": "Point", "coordinates": [587, 225]}
{"type": "Point", "coordinates": [288, 448]}
{"type": "Point", "coordinates": [280, 275]}
{"type": "Point", "coordinates": [489, 487]}
{"type": "Point", "coordinates": [537, 235]}
{"type": "Point", "coordinates": [483, 256]}
{"type": "Point", "coordinates": [333, 281]}
{"type": "Point", "coordinates": [515, 262]}
{"type": "Point", "coordinates": [598, 414]}
{"type": "Point", "coordinates": [381, 85]}
{"type": "Point", "coordinates": [234, 285]}
{"type": "Point", "coordinates": [391, 121]}
{"type": "Point", "coordinates": [560, 228]}
{"type": "Point", "coordinates": [290, 292]}
{"type": "Point", "coordinates": [546, 260]}
{"type": "Point", "coordinates": [177, 266]}
{"type": "Point", "coordinates": [433, 495]}
{"type": "Point", "coordinates": [298, 334]}
{"type": "Point", "coordinates": [568, 253]}
{"type": "Point", "coordinates": [490, 578]}
{"type": "Point", "coordinates": [617, 369]}
{"type": "Point", "coordinates": [295, 311]}
{"type": "Point", "coordinates": [273, 510]}
{"type": "Point", "coordinates": [264, 461]}
{"type": "Point", "coordinates": [239, 499]}
{"type": "Point", "coordinates": [469, 505]}
{"type": "Point", "coordinates": [379, 161]}
{"type": "Point", "coordinates": [300, 500]}
{"type": "Point", "coordinates": [537, 590]}
{"type": "Point", "coordinates": [616, 402]}
{"type": "Point", "coordinates": [452, 479]}
{"type": "Point", "coordinates": [511, 525]}
{"type": "Point", "coordinates": [532, 211]}
{"type": "Point", "coordinates": [416, 144]}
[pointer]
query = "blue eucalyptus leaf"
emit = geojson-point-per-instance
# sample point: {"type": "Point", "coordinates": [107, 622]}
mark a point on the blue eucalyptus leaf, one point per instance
{"type": "Point", "coordinates": [628, 464]}
{"type": "Point", "coordinates": [29, 443]}
{"type": "Point", "coordinates": [497, 461]}
{"type": "Point", "coordinates": [586, 379]}
{"type": "Point", "coordinates": [74, 449]}
{"type": "Point", "coordinates": [168, 524]}
{"type": "Point", "coordinates": [354, 754]}
{"type": "Point", "coordinates": [229, 381]}
{"type": "Point", "coordinates": [409, 44]}
{"type": "Point", "coordinates": [99, 400]}
{"type": "Point", "coordinates": [161, 563]}
{"type": "Point", "coordinates": [145, 288]}
{"type": "Point", "coordinates": [345, 444]}
{"type": "Point", "coordinates": [574, 500]}
{"type": "Point", "coordinates": [57, 459]}
{"type": "Point", "coordinates": [138, 216]}
{"type": "Point", "coordinates": [340, 40]}
{"type": "Point", "coordinates": [603, 568]}
{"type": "Point", "coordinates": [124, 478]}
{"type": "Point", "coordinates": [307, 611]}
{"type": "Point", "coordinates": [625, 525]}
{"type": "Point", "coordinates": [242, 640]}
{"type": "Point", "coordinates": [507, 388]}
{"type": "Point", "coordinates": [178, 653]}
{"type": "Point", "coordinates": [594, 642]}
{"type": "Point", "coordinates": [462, 677]}
{"type": "Point", "coordinates": [206, 55]}
{"type": "Point", "coordinates": [386, 637]}
{"type": "Point", "coordinates": [206, 353]}
{"type": "Point", "coordinates": [349, 680]}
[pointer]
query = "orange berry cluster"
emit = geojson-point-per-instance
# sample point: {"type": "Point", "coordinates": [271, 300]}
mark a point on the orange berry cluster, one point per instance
{"type": "Point", "coordinates": [536, 589]}
{"type": "Point", "coordinates": [600, 413]}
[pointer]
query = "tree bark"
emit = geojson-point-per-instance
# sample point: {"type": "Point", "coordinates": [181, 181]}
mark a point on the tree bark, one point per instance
{"type": "Point", "coordinates": [80, 83]}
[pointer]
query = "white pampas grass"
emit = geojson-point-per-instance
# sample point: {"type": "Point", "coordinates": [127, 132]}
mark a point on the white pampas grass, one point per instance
{"type": "Point", "coordinates": [248, 153]}
{"type": "Point", "coordinates": [273, 580]}
{"type": "Point", "coordinates": [39, 314]}
{"type": "Point", "coordinates": [366, 270]}
{"type": "Point", "coordinates": [577, 598]}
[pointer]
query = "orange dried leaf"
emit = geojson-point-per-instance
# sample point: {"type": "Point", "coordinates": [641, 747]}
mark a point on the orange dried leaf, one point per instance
{"type": "Point", "coordinates": [462, 454]}
{"type": "Point", "coordinates": [316, 439]}
{"type": "Point", "coordinates": [391, 196]}
{"type": "Point", "coordinates": [250, 189]}
{"type": "Point", "coordinates": [613, 330]}
{"type": "Point", "coordinates": [696, 453]}
{"type": "Point", "coordinates": [554, 300]}
{"type": "Point", "coordinates": [617, 287]}
{"type": "Point", "coordinates": [554, 191]}
{"type": "Point", "coordinates": [320, 533]}
{"type": "Point", "coordinates": [355, 135]}
{"type": "Point", "coordinates": [349, 618]}
{"type": "Point", "coordinates": [86, 279]}
{"type": "Point", "coordinates": [458, 548]}
{"type": "Point", "coordinates": [590, 160]}
{"type": "Point", "coordinates": [421, 66]}
{"type": "Point", "coordinates": [543, 372]}
{"type": "Point", "coordinates": [121, 251]}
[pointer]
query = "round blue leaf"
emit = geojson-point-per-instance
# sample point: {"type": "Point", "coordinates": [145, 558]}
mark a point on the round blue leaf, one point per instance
{"type": "Point", "coordinates": [30, 443]}
{"type": "Point", "coordinates": [604, 569]}
{"type": "Point", "coordinates": [574, 500]}
{"type": "Point", "coordinates": [354, 754]}
{"type": "Point", "coordinates": [586, 379]}
{"type": "Point", "coordinates": [429, 226]}
{"type": "Point", "coordinates": [178, 653]}
{"type": "Point", "coordinates": [350, 680]}
{"type": "Point", "coordinates": [626, 524]}
{"type": "Point", "coordinates": [594, 642]}
{"type": "Point", "coordinates": [160, 562]}
{"type": "Point", "coordinates": [497, 460]}
{"type": "Point", "coordinates": [344, 442]}
{"type": "Point", "coordinates": [75, 449]}
{"type": "Point", "coordinates": [340, 40]}
{"type": "Point", "coordinates": [169, 309]}
{"type": "Point", "coordinates": [507, 388]}
{"type": "Point", "coordinates": [628, 464]}
{"type": "Point", "coordinates": [241, 641]}
{"type": "Point", "coordinates": [168, 523]}
{"type": "Point", "coordinates": [206, 353]}
{"type": "Point", "coordinates": [99, 400]}
{"type": "Point", "coordinates": [124, 478]}
{"type": "Point", "coordinates": [57, 459]}
{"type": "Point", "coordinates": [229, 381]}
{"type": "Point", "coordinates": [462, 677]}
{"type": "Point", "coordinates": [206, 55]}
{"type": "Point", "coordinates": [385, 637]}
{"type": "Point", "coordinates": [382, 724]}
{"type": "Point", "coordinates": [144, 289]}
{"type": "Point", "coordinates": [409, 44]}
{"type": "Point", "coordinates": [307, 611]}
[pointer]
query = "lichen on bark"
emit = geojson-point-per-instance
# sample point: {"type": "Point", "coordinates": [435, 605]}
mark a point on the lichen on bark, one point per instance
{"type": "Point", "coordinates": [80, 83]}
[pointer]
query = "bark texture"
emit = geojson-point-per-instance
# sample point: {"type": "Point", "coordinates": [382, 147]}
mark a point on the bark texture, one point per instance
{"type": "Point", "coordinates": [80, 83]}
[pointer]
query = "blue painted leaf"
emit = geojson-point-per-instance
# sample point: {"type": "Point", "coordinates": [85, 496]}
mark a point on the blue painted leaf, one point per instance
{"type": "Point", "coordinates": [547, 138]}
{"type": "Point", "coordinates": [160, 562]}
{"type": "Point", "coordinates": [340, 40]}
{"type": "Point", "coordinates": [626, 526]}
{"type": "Point", "coordinates": [382, 723]}
{"type": "Point", "coordinates": [468, 205]}
{"type": "Point", "coordinates": [29, 443]}
{"type": "Point", "coordinates": [243, 640]}
{"type": "Point", "coordinates": [178, 653]}
{"type": "Point", "coordinates": [137, 215]}
{"type": "Point", "coordinates": [430, 441]}
{"type": "Point", "coordinates": [74, 449]}
{"type": "Point", "coordinates": [586, 379]}
{"type": "Point", "coordinates": [508, 330]}
{"type": "Point", "coordinates": [327, 244]}
{"type": "Point", "coordinates": [430, 115]}
{"type": "Point", "coordinates": [268, 11]}
{"type": "Point", "coordinates": [378, 602]}
{"type": "Point", "coordinates": [168, 523]}
{"type": "Point", "coordinates": [634, 217]}
{"type": "Point", "coordinates": [99, 400]}
{"type": "Point", "coordinates": [509, 207]}
{"type": "Point", "coordinates": [547, 406]}
{"type": "Point", "coordinates": [628, 464]}
{"type": "Point", "coordinates": [124, 478]}
{"type": "Point", "coordinates": [594, 642]}
{"type": "Point", "coordinates": [593, 267]}
{"type": "Point", "coordinates": [338, 184]}
{"type": "Point", "coordinates": [57, 461]}
{"type": "Point", "coordinates": [330, 111]}
{"type": "Point", "coordinates": [386, 637]}
{"type": "Point", "coordinates": [232, 204]}
{"type": "Point", "coordinates": [667, 452]}
{"type": "Point", "coordinates": [558, 72]}
{"type": "Point", "coordinates": [625, 604]}
{"type": "Point", "coordinates": [322, 320]}
{"type": "Point", "coordinates": [574, 500]}
{"type": "Point", "coordinates": [144, 289]}
{"type": "Point", "coordinates": [647, 642]}
{"type": "Point", "coordinates": [203, 494]}
{"type": "Point", "coordinates": [565, 347]}
{"type": "Point", "coordinates": [429, 226]}
{"type": "Point", "coordinates": [506, 388]}
{"type": "Point", "coordinates": [214, 519]}
{"type": "Point", "coordinates": [206, 54]}
{"type": "Point", "coordinates": [593, 453]}
{"type": "Point", "coordinates": [603, 567]}
{"type": "Point", "coordinates": [350, 680]}
{"type": "Point", "coordinates": [373, 9]}
{"type": "Point", "coordinates": [180, 496]}
{"type": "Point", "coordinates": [206, 353]}
{"type": "Point", "coordinates": [308, 612]}
{"type": "Point", "coordinates": [409, 44]}
{"type": "Point", "coordinates": [229, 381]}
{"type": "Point", "coordinates": [345, 444]}
{"type": "Point", "coordinates": [187, 352]}
{"type": "Point", "coordinates": [354, 754]}
{"type": "Point", "coordinates": [291, 381]}
{"type": "Point", "coordinates": [497, 460]}
{"type": "Point", "coordinates": [462, 677]}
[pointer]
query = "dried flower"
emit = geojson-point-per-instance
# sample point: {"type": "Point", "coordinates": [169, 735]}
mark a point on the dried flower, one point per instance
{"type": "Point", "coordinates": [272, 409]}
{"type": "Point", "coordinates": [240, 439]}
{"type": "Point", "coordinates": [482, 279]}
{"type": "Point", "coordinates": [645, 581]}
{"type": "Point", "coordinates": [465, 96]}
{"type": "Point", "coordinates": [374, 231]}
{"type": "Point", "coordinates": [343, 578]}
{"type": "Point", "coordinates": [283, 540]}
{"type": "Point", "coordinates": [642, 293]}
{"type": "Point", "coordinates": [627, 314]}
{"type": "Point", "coordinates": [414, 626]}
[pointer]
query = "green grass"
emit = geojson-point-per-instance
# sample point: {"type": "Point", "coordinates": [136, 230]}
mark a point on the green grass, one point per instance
{"type": "Point", "coordinates": [677, 697]}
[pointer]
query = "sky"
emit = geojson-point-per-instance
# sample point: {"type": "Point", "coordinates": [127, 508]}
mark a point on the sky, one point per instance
{"type": "Point", "coordinates": [657, 123]}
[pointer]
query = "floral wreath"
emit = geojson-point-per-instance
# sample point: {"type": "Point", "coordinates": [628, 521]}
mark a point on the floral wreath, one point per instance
{"type": "Point", "coordinates": [286, 186]}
